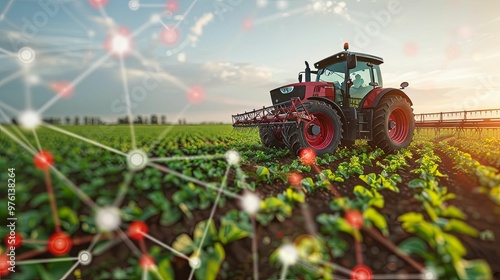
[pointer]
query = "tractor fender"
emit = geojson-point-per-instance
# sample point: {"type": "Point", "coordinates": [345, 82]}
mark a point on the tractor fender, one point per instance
{"type": "Point", "coordinates": [374, 97]}
{"type": "Point", "coordinates": [335, 107]}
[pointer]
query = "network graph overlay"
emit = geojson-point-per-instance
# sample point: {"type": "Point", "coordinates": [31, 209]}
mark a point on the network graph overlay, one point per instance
{"type": "Point", "coordinates": [120, 44]}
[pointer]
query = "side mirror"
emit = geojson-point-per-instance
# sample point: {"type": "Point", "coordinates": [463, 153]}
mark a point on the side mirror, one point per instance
{"type": "Point", "coordinates": [404, 84]}
{"type": "Point", "coordinates": [300, 77]}
{"type": "Point", "coordinates": [352, 61]}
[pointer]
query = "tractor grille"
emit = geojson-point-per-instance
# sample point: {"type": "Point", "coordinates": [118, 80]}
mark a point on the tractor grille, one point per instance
{"type": "Point", "coordinates": [278, 97]}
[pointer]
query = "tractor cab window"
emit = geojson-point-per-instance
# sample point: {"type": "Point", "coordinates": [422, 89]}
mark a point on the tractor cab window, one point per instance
{"type": "Point", "coordinates": [335, 74]}
{"type": "Point", "coordinates": [363, 80]}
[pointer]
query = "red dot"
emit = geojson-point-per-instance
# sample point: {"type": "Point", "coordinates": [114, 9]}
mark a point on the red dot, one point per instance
{"type": "Point", "coordinates": [453, 51]}
{"type": "Point", "coordinates": [308, 156]}
{"type": "Point", "coordinates": [146, 262]}
{"type": "Point", "coordinates": [63, 89]}
{"type": "Point", "coordinates": [172, 6]}
{"type": "Point", "coordinates": [361, 272]}
{"type": "Point", "coordinates": [294, 178]}
{"type": "Point", "coordinates": [411, 49]}
{"type": "Point", "coordinates": [280, 234]}
{"type": "Point", "coordinates": [137, 229]}
{"type": "Point", "coordinates": [4, 265]}
{"type": "Point", "coordinates": [43, 160]}
{"type": "Point", "coordinates": [98, 3]}
{"type": "Point", "coordinates": [13, 240]}
{"type": "Point", "coordinates": [196, 95]}
{"type": "Point", "coordinates": [59, 244]}
{"type": "Point", "coordinates": [170, 35]}
{"type": "Point", "coordinates": [247, 24]}
{"type": "Point", "coordinates": [354, 218]}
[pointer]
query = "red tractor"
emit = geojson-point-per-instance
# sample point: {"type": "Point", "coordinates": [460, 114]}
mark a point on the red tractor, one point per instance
{"type": "Point", "coordinates": [346, 102]}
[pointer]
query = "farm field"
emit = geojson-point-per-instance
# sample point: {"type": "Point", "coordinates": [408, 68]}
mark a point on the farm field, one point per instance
{"type": "Point", "coordinates": [210, 202]}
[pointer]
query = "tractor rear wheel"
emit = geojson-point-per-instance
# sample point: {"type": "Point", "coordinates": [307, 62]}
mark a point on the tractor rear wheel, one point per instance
{"type": "Point", "coordinates": [322, 134]}
{"type": "Point", "coordinates": [271, 137]}
{"type": "Point", "coordinates": [393, 124]}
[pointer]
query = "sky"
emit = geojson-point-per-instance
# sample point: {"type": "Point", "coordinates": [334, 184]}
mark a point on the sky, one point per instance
{"type": "Point", "coordinates": [208, 59]}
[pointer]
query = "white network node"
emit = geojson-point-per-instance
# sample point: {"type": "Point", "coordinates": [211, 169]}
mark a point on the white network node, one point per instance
{"type": "Point", "coordinates": [30, 119]}
{"type": "Point", "coordinates": [288, 254]}
{"type": "Point", "coordinates": [108, 219]}
{"type": "Point", "coordinates": [137, 160]}
{"type": "Point", "coordinates": [194, 262]}
{"type": "Point", "coordinates": [232, 157]}
{"type": "Point", "coordinates": [250, 203]}
{"type": "Point", "coordinates": [26, 55]}
{"type": "Point", "coordinates": [85, 257]}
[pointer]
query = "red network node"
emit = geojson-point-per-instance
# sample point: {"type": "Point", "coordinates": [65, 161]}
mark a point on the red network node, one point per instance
{"type": "Point", "coordinates": [172, 6]}
{"type": "Point", "coordinates": [13, 240]}
{"type": "Point", "coordinates": [354, 218]}
{"type": "Point", "coordinates": [98, 3]}
{"type": "Point", "coordinates": [63, 89]}
{"type": "Point", "coordinates": [247, 24]}
{"type": "Point", "coordinates": [294, 178]}
{"type": "Point", "coordinates": [361, 272]}
{"type": "Point", "coordinates": [308, 156]}
{"type": "Point", "coordinates": [4, 265]}
{"type": "Point", "coordinates": [137, 229]}
{"type": "Point", "coordinates": [147, 262]}
{"type": "Point", "coordinates": [43, 160]}
{"type": "Point", "coordinates": [196, 95]}
{"type": "Point", "coordinates": [411, 49]}
{"type": "Point", "coordinates": [170, 35]}
{"type": "Point", "coordinates": [59, 244]}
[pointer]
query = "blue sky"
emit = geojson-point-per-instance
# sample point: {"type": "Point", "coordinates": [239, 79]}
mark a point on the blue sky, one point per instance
{"type": "Point", "coordinates": [236, 51]}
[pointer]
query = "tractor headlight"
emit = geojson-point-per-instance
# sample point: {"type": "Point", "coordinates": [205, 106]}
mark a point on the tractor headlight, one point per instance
{"type": "Point", "coordinates": [286, 90]}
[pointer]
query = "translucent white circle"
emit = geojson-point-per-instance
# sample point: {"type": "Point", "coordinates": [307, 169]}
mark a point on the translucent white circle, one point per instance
{"type": "Point", "coordinates": [120, 44]}
{"type": "Point", "coordinates": [85, 257]}
{"type": "Point", "coordinates": [26, 55]}
{"type": "Point", "coordinates": [282, 4]}
{"type": "Point", "coordinates": [91, 33]}
{"type": "Point", "coordinates": [262, 3]}
{"type": "Point", "coordinates": [342, 4]}
{"type": "Point", "coordinates": [137, 160]}
{"type": "Point", "coordinates": [194, 262]}
{"type": "Point", "coordinates": [428, 275]}
{"type": "Point", "coordinates": [134, 5]}
{"type": "Point", "coordinates": [250, 203]}
{"type": "Point", "coordinates": [317, 6]}
{"type": "Point", "coordinates": [33, 79]}
{"type": "Point", "coordinates": [338, 10]}
{"type": "Point", "coordinates": [232, 157]}
{"type": "Point", "coordinates": [288, 254]}
{"type": "Point", "coordinates": [155, 18]}
{"type": "Point", "coordinates": [30, 119]}
{"type": "Point", "coordinates": [108, 219]}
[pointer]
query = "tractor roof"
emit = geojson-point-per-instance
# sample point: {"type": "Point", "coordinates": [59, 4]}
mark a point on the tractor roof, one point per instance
{"type": "Point", "coordinates": [341, 56]}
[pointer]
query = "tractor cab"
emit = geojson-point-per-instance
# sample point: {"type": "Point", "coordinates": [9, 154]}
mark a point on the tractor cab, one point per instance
{"type": "Point", "coordinates": [353, 75]}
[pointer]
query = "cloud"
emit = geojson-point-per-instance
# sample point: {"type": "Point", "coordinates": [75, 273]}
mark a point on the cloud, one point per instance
{"type": "Point", "coordinates": [230, 73]}
{"type": "Point", "coordinates": [197, 28]}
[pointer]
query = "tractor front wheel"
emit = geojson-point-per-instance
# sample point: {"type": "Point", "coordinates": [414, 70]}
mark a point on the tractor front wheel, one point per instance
{"type": "Point", "coordinates": [322, 134]}
{"type": "Point", "coordinates": [271, 137]}
{"type": "Point", "coordinates": [393, 124]}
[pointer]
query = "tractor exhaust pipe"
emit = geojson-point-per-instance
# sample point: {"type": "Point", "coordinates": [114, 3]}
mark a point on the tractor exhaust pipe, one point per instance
{"type": "Point", "coordinates": [308, 72]}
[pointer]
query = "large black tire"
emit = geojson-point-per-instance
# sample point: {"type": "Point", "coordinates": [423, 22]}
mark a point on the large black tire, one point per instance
{"type": "Point", "coordinates": [323, 134]}
{"type": "Point", "coordinates": [393, 124]}
{"type": "Point", "coordinates": [271, 137]}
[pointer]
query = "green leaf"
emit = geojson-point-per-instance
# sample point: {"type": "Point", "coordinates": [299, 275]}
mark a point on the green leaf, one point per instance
{"type": "Point", "coordinates": [262, 172]}
{"type": "Point", "coordinates": [165, 269]}
{"type": "Point", "coordinates": [461, 227]}
{"type": "Point", "coordinates": [377, 219]}
{"type": "Point", "coordinates": [69, 219]}
{"type": "Point", "coordinates": [229, 232]}
{"type": "Point", "coordinates": [413, 246]}
{"type": "Point", "coordinates": [453, 212]}
{"type": "Point", "coordinates": [211, 262]}
{"type": "Point", "coordinates": [416, 183]}
{"type": "Point", "coordinates": [184, 243]}
{"type": "Point", "coordinates": [476, 269]}
{"type": "Point", "coordinates": [308, 183]}
{"type": "Point", "coordinates": [454, 246]}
